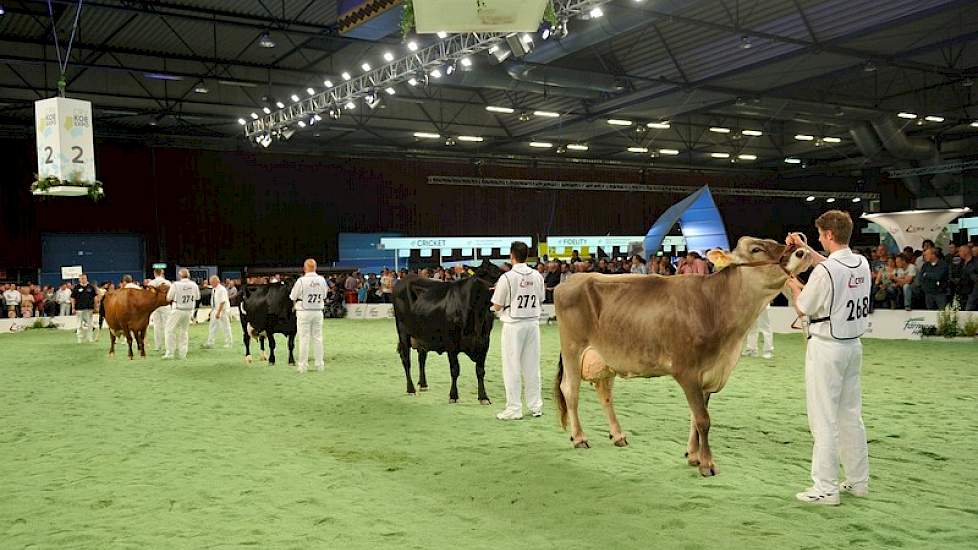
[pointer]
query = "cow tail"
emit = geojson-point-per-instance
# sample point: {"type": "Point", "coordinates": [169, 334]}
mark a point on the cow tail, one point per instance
{"type": "Point", "coordinates": [559, 395]}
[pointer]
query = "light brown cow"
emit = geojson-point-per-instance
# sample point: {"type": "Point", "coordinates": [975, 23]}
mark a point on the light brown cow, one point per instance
{"type": "Point", "coordinates": [690, 327]}
{"type": "Point", "coordinates": [127, 312]}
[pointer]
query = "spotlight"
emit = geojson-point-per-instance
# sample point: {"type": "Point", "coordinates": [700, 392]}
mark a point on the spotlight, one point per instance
{"type": "Point", "coordinates": [286, 133]}
{"type": "Point", "coordinates": [524, 116]}
{"type": "Point", "coordinates": [317, 118]}
{"type": "Point", "coordinates": [254, 116]}
{"type": "Point", "coordinates": [350, 105]}
{"type": "Point", "coordinates": [372, 99]}
{"type": "Point", "coordinates": [830, 200]}
{"type": "Point", "coordinates": [335, 112]}
{"type": "Point", "coordinates": [869, 67]}
{"type": "Point", "coordinates": [596, 12]}
{"type": "Point", "coordinates": [388, 57]}
{"type": "Point", "coordinates": [390, 90]}
{"type": "Point", "coordinates": [499, 53]}
{"type": "Point", "coordinates": [198, 89]}
{"type": "Point", "coordinates": [365, 66]}
{"type": "Point", "coordinates": [420, 77]}
{"type": "Point", "coordinates": [345, 75]}
{"type": "Point", "coordinates": [562, 29]}
{"type": "Point", "coordinates": [266, 110]}
{"type": "Point", "coordinates": [546, 31]}
{"type": "Point", "coordinates": [413, 46]}
{"type": "Point", "coordinates": [441, 34]}
{"type": "Point", "coordinates": [311, 91]}
{"type": "Point", "coordinates": [280, 105]}
{"type": "Point", "coordinates": [413, 81]}
{"type": "Point", "coordinates": [856, 199]}
{"type": "Point", "coordinates": [242, 121]}
{"type": "Point", "coordinates": [518, 45]}
{"type": "Point", "coordinates": [295, 98]}
{"type": "Point", "coordinates": [466, 62]}
{"type": "Point", "coordinates": [745, 43]}
{"type": "Point", "coordinates": [810, 198]}
{"type": "Point", "coordinates": [265, 140]}
{"type": "Point", "coordinates": [450, 142]}
{"type": "Point", "coordinates": [450, 68]}
{"type": "Point", "coordinates": [302, 124]}
{"type": "Point", "coordinates": [435, 73]}
{"type": "Point", "coordinates": [328, 83]}
{"type": "Point", "coordinates": [265, 40]}
{"type": "Point", "coordinates": [312, 121]}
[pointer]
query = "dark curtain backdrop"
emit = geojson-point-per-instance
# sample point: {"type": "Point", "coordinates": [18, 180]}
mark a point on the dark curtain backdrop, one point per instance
{"type": "Point", "coordinates": [202, 207]}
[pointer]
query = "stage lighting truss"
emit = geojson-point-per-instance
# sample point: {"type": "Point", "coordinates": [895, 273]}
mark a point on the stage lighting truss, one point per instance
{"type": "Point", "coordinates": [448, 50]}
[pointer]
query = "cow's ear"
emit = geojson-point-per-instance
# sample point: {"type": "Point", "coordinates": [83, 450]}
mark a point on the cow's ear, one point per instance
{"type": "Point", "coordinates": [719, 258]}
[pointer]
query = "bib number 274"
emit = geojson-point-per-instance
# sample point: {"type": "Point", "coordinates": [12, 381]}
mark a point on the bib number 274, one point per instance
{"type": "Point", "coordinates": [858, 308]}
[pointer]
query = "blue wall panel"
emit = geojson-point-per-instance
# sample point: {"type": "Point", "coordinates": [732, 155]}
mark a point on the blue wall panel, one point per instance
{"type": "Point", "coordinates": [104, 257]}
{"type": "Point", "coordinates": [360, 250]}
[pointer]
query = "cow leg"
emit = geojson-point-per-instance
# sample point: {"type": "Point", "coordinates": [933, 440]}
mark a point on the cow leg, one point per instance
{"type": "Point", "coordinates": [693, 448]}
{"type": "Point", "coordinates": [404, 349]}
{"type": "Point", "coordinates": [129, 341]}
{"type": "Point", "coordinates": [291, 349]}
{"type": "Point", "coordinates": [697, 400]}
{"type": "Point", "coordinates": [604, 388]}
{"type": "Point", "coordinates": [111, 344]}
{"type": "Point", "coordinates": [480, 373]}
{"type": "Point", "coordinates": [141, 342]}
{"type": "Point", "coordinates": [453, 364]}
{"type": "Point", "coordinates": [261, 345]}
{"type": "Point", "coordinates": [246, 339]}
{"type": "Point", "coordinates": [422, 379]}
{"type": "Point", "coordinates": [567, 392]}
{"type": "Point", "coordinates": [271, 348]}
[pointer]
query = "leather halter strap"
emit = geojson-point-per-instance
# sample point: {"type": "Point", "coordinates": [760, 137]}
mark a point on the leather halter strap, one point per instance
{"type": "Point", "coordinates": [788, 251]}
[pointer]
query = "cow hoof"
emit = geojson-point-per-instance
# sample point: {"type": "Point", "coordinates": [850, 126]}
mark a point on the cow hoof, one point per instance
{"type": "Point", "coordinates": [111, 355]}
{"type": "Point", "coordinates": [708, 471]}
{"type": "Point", "coordinates": [452, 401]}
{"type": "Point", "coordinates": [422, 388]}
{"type": "Point", "coordinates": [620, 442]}
{"type": "Point", "coordinates": [582, 445]}
{"type": "Point", "coordinates": [485, 402]}
{"type": "Point", "coordinates": [264, 357]}
{"type": "Point", "coordinates": [692, 460]}
{"type": "Point", "coordinates": [248, 359]}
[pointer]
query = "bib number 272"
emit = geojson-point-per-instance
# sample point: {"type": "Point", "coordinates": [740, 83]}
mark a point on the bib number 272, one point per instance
{"type": "Point", "coordinates": [524, 301]}
{"type": "Point", "coordinates": [858, 309]}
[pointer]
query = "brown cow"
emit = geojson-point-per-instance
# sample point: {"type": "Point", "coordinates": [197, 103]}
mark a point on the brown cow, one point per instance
{"type": "Point", "coordinates": [127, 312]}
{"type": "Point", "coordinates": [690, 327]}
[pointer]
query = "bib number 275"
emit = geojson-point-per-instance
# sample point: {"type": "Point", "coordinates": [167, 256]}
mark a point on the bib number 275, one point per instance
{"type": "Point", "coordinates": [858, 308]}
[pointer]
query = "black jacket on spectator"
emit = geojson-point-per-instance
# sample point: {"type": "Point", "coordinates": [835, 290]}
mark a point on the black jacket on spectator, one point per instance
{"type": "Point", "coordinates": [84, 296]}
{"type": "Point", "coordinates": [969, 278]}
{"type": "Point", "coordinates": [934, 277]}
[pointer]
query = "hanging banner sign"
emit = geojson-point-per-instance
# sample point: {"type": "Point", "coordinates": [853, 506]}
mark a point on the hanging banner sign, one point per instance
{"type": "Point", "coordinates": [65, 147]}
{"type": "Point", "coordinates": [444, 243]}
{"type": "Point", "coordinates": [912, 227]}
{"type": "Point", "coordinates": [456, 16]}
{"type": "Point", "coordinates": [71, 272]}
{"type": "Point", "coordinates": [604, 242]}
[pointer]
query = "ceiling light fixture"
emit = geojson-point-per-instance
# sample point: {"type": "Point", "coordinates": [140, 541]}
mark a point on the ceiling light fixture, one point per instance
{"type": "Point", "coordinates": [546, 114]}
{"type": "Point", "coordinates": [254, 116]}
{"type": "Point", "coordinates": [426, 135]}
{"type": "Point", "coordinates": [974, 124]}
{"type": "Point", "coordinates": [541, 144]}
{"type": "Point", "coordinates": [201, 90]}
{"type": "Point", "coordinates": [466, 61]}
{"type": "Point", "coordinates": [302, 124]}
{"type": "Point", "coordinates": [720, 155]}
{"type": "Point", "coordinates": [906, 115]}
{"type": "Point", "coordinates": [280, 105]}
{"type": "Point", "coordinates": [242, 121]}
{"type": "Point", "coordinates": [857, 199]}
{"type": "Point", "coordinates": [638, 149]}
{"type": "Point", "coordinates": [671, 152]}
{"type": "Point", "coordinates": [810, 198]}
{"type": "Point", "coordinates": [388, 57]}
{"type": "Point", "coordinates": [830, 200]}
{"type": "Point", "coordinates": [472, 139]}
{"type": "Point", "coordinates": [390, 90]}
{"type": "Point", "coordinates": [441, 34]}
{"type": "Point", "coordinates": [266, 110]}
{"type": "Point", "coordinates": [664, 125]}
{"type": "Point", "coordinates": [365, 66]}
{"type": "Point", "coordinates": [577, 147]}
{"type": "Point", "coordinates": [413, 81]}
{"type": "Point", "coordinates": [435, 73]}
{"type": "Point", "coordinates": [494, 109]}
{"type": "Point", "coordinates": [328, 83]}
{"type": "Point", "coordinates": [753, 133]}
{"type": "Point", "coordinates": [719, 130]}
{"type": "Point", "coordinates": [265, 40]}
{"type": "Point", "coordinates": [345, 75]}
{"type": "Point", "coordinates": [830, 139]}
{"type": "Point", "coordinates": [934, 118]}
{"type": "Point", "coordinates": [413, 46]}
{"type": "Point", "coordinates": [596, 12]}
{"type": "Point", "coordinates": [294, 98]}
{"type": "Point", "coordinates": [747, 157]}
{"type": "Point", "coordinates": [350, 105]}
{"type": "Point", "coordinates": [804, 137]}
{"type": "Point", "coordinates": [311, 91]}
{"type": "Point", "coordinates": [619, 122]}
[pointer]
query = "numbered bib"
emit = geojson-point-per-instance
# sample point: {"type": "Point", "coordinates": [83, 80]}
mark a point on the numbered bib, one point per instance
{"type": "Point", "coordinates": [524, 292]}
{"type": "Point", "coordinates": [851, 290]}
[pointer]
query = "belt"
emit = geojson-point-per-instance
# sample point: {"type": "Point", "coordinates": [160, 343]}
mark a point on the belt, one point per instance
{"type": "Point", "coordinates": [819, 320]}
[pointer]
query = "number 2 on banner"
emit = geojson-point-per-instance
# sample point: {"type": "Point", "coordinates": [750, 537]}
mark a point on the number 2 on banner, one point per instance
{"type": "Point", "coordinates": [78, 155]}
{"type": "Point", "coordinates": [50, 152]}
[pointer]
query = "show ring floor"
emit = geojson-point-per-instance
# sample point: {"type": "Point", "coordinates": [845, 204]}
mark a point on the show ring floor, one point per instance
{"type": "Point", "coordinates": [211, 452]}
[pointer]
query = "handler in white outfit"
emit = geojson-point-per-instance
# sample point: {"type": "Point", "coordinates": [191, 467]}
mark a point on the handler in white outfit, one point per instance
{"type": "Point", "coordinates": [184, 295]}
{"type": "Point", "coordinates": [519, 298]}
{"type": "Point", "coordinates": [761, 327]}
{"type": "Point", "coordinates": [220, 313]}
{"type": "Point", "coordinates": [836, 301]}
{"type": "Point", "coordinates": [161, 314]}
{"type": "Point", "coordinates": [309, 296]}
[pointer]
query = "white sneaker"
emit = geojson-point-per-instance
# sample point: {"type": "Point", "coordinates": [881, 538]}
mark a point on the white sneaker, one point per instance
{"type": "Point", "coordinates": [749, 353]}
{"type": "Point", "coordinates": [167, 357]}
{"type": "Point", "coordinates": [537, 413]}
{"type": "Point", "coordinates": [861, 490]}
{"type": "Point", "coordinates": [768, 355]}
{"type": "Point", "coordinates": [320, 368]}
{"type": "Point", "coordinates": [509, 415]}
{"type": "Point", "coordinates": [811, 496]}
{"type": "Point", "coordinates": [301, 370]}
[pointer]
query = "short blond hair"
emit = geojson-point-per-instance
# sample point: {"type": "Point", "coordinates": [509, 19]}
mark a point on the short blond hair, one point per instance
{"type": "Point", "coordinates": [838, 222]}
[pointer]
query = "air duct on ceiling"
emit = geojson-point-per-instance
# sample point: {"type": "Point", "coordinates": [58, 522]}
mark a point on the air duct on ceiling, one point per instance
{"type": "Point", "coordinates": [922, 150]}
{"type": "Point", "coordinates": [565, 78]}
{"type": "Point", "coordinates": [495, 78]}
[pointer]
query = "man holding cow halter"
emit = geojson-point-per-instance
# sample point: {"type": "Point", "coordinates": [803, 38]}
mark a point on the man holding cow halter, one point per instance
{"type": "Point", "coordinates": [836, 302]}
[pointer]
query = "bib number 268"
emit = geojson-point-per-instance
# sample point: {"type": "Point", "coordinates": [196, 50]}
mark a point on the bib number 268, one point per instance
{"type": "Point", "coordinates": [858, 309]}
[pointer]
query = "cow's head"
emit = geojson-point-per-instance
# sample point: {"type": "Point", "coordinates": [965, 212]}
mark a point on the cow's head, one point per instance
{"type": "Point", "coordinates": [159, 293]}
{"type": "Point", "coordinates": [488, 272]}
{"type": "Point", "coordinates": [753, 252]}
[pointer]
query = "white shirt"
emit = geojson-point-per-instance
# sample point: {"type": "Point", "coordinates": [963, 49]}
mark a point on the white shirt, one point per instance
{"type": "Point", "coordinates": [184, 295]}
{"type": "Point", "coordinates": [157, 282]}
{"type": "Point", "coordinates": [133, 285]}
{"type": "Point", "coordinates": [309, 292]}
{"type": "Point", "coordinates": [815, 300]}
{"type": "Point", "coordinates": [63, 296]}
{"type": "Point", "coordinates": [521, 292]}
{"type": "Point", "coordinates": [219, 296]}
{"type": "Point", "coordinates": [11, 297]}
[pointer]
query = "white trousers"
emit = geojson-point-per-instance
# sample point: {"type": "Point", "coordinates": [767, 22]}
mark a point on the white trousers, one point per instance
{"type": "Point", "coordinates": [223, 324]}
{"type": "Point", "coordinates": [834, 403]}
{"type": "Point", "coordinates": [761, 327]}
{"type": "Point", "coordinates": [521, 359]}
{"type": "Point", "coordinates": [64, 309]}
{"type": "Point", "coordinates": [310, 325]}
{"type": "Point", "coordinates": [159, 317]}
{"type": "Point", "coordinates": [178, 332]}
{"type": "Point", "coordinates": [86, 328]}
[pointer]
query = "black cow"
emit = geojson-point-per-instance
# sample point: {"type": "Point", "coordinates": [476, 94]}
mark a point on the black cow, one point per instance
{"type": "Point", "coordinates": [446, 317]}
{"type": "Point", "coordinates": [266, 310]}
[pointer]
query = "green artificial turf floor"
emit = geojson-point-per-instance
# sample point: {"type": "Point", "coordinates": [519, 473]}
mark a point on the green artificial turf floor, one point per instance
{"type": "Point", "coordinates": [214, 453]}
